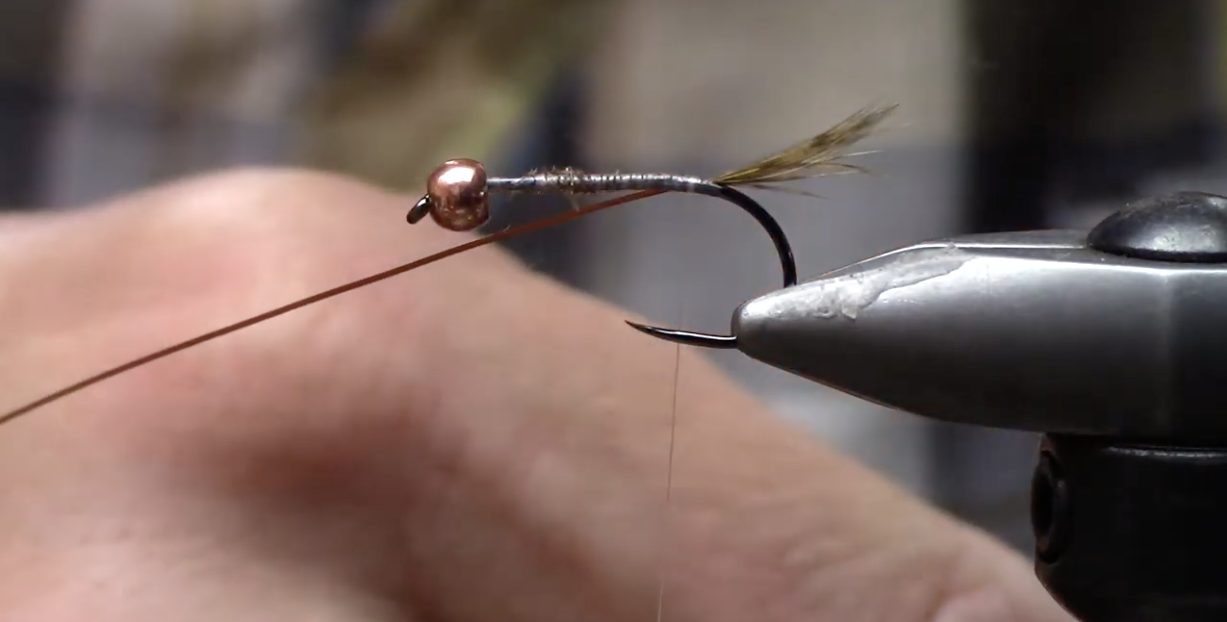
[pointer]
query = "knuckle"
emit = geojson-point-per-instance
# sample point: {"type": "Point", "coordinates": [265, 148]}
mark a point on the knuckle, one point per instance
{"type": "Point", "coordinates": [267, 212]}
{"type": "Point", "coordinates": [243, 197]}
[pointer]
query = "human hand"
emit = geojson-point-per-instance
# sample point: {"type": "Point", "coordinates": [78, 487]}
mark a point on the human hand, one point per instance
{"type": "Point", "coordinates": [468, 441]}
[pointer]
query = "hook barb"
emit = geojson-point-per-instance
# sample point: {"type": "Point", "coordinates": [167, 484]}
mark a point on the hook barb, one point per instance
{"type": "Point", "coordinates": [783, 249]}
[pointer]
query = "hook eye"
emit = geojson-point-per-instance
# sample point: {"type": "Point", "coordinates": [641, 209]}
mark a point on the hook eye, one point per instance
{"type": "Point", "coordinates": [419, 210]}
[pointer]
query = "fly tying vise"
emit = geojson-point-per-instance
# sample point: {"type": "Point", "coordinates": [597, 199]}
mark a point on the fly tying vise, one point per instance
{"type": "Point", "coordinates": [457, 199]}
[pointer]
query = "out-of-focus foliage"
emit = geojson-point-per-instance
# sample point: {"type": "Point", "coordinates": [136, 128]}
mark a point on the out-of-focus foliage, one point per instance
{"type": "Point", "coordinates": [443, 78]}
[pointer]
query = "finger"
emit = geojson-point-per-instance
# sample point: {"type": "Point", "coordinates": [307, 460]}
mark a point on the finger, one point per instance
{"type": "Point", "coordinates": [118, 456]}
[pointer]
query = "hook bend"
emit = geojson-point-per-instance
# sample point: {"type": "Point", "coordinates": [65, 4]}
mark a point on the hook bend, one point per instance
{"type": "Point", "coordinates": [783, 250]}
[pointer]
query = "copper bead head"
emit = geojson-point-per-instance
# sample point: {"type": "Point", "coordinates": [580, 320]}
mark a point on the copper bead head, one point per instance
{"type": "Point", "coordinates": [457, 196]}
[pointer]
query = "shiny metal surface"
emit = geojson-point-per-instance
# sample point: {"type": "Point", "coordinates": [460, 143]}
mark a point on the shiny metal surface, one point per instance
{"type": "Point", "coordinates": [1029, 331]}
{"type": "Point", "coordinates": [457, 195]}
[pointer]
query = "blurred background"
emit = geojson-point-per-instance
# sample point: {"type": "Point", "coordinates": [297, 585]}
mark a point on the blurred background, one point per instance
{"type": "Point", "coordinates": [1013, 114]}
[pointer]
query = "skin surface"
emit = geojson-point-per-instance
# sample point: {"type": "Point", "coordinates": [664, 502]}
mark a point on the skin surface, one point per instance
{"type": "Point", "coordinates": [466, 442]}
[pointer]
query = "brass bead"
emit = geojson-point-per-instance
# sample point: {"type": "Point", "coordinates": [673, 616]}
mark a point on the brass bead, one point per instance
{"type": "Point", "coordinates": [457, 194]}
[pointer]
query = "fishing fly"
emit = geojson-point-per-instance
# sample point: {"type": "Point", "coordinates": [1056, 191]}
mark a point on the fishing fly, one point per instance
{"type": "Point", "coordinates": [458, 195]}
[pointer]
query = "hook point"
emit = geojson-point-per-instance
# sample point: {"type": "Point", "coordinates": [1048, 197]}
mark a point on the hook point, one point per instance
{"type": "Point", "coordinates": [704, 340]}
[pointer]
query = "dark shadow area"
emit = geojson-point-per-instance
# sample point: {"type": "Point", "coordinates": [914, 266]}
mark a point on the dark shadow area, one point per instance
{"type": "Point", "coordinates": [29, 71]}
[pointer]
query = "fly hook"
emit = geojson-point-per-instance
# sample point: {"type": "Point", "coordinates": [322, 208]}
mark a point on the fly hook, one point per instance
{"type": "Point", "coordinates": [458, 198]}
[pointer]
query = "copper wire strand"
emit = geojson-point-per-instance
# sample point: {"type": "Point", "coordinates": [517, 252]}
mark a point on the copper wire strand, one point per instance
{"type": "Point", "coordinates": [324, 295]}
{"type": "Point", "coordinates": [811, 158]}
